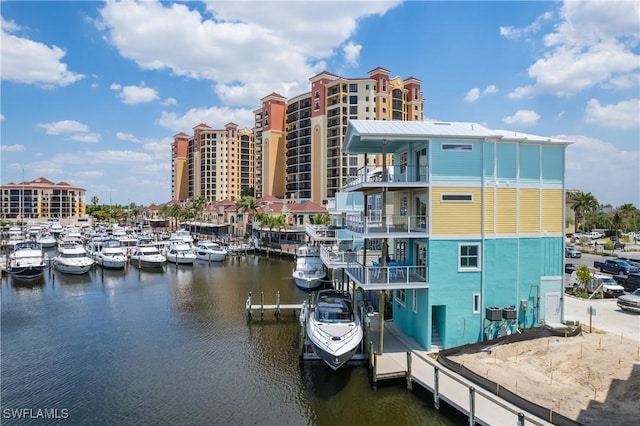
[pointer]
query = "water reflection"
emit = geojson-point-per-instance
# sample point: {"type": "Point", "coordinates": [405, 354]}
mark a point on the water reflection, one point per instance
{"type": "Point", "coordinates": [174, 346]}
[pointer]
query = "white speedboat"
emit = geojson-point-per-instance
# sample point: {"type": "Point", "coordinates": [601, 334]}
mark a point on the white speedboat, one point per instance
{"type": "Point", "coordinates": [15, 236]}
{"type": "Point", "coordinates": [73, 258]}
{"type": "Point", "coordinates": [210, 251]}
{"type": "Point", "coordinates": [333, 327]}
{"type": "Point", "coordinates": [309, 272]}
{"type": "Point", "coordinates": [180, 253]}
{"type": "Point", "coordinates": [147, 256]}
{"type": "Point", "coordinates": [27, 261]}
{"type": "Point", "coordinates": [111, 255]}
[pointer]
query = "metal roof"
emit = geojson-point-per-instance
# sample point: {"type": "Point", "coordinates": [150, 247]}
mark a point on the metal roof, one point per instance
{"type": "Point", "coordinates": [370, 130]}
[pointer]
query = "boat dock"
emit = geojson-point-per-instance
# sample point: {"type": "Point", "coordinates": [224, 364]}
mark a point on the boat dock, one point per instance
{"type": "Point", "coordinates": [405, 360]}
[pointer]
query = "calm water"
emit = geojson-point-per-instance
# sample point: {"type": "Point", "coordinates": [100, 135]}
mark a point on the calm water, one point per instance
{"type": "Point", "coordinates": [175, 347]}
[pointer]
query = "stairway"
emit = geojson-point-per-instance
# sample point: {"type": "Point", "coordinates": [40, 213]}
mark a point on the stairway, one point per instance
{"type": "Point", "coordinates": [436, 342]}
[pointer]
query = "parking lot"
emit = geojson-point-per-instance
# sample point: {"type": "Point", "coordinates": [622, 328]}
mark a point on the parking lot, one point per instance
{"type": "Point", "coordinates": [607, 316]}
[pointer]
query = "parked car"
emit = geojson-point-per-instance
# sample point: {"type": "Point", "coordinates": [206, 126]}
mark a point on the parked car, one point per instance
{"type": "Point", "coordinates": [569, 268]}
{"type": "Point", "coordinates": [630, 302]}
{"type": "Point", "coordinates": [606, 284]}
{"type": "Point", "coordinates": [632, 262]}
{"type": "Point", "coordinates": [572, 253]}
{"type": "Point", "coordinates": [630, 283]}
{"type": "Point", "coordinates": [615, 267]}
{"type": "Point", "coordinates": [618, 245]}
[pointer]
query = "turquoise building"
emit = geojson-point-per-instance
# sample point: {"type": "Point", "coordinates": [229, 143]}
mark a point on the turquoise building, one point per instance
{"type": "Point", "coordinates": [469, 223]}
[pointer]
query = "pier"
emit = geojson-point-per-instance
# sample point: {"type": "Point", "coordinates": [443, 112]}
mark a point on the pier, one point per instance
{"type": "Point", "coordinates": [402, 359]}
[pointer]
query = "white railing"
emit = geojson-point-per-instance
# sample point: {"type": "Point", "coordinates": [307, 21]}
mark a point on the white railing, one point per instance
{"type": "Point", "coordinates": [374, 223]}
{"type": "Point", "coordinates": [395, 174]}
{"type": "Point", "coordinates": [387, 275]}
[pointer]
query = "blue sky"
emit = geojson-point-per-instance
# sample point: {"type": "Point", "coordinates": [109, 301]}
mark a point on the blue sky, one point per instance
{"type": "Point", "coordinates": [92, 92]}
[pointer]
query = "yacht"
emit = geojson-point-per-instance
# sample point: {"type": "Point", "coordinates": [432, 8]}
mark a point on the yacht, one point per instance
{"type": "Point", "coordinates": [147, 256]}
{"type": "Point", "coordinates": [111, 255]}
{"type": "Point", "coordinates": [182, 235]}
{"type": "Point", "coordinates": [210, 251]}
{"type": "Point", "coordinates": [73, 258]}
{"type": "Point", "coordinates": [333, 327]}
{"type": "Point", "coordinates": [27, 261]}
{"type": "Point", "coordinates": [47, 240]}
{"type": "Point", "coordinates": [15, 236]}
{"type": "Point", "coordinates": [180, 253]}
{"type": "Point", "coordinates": [309, 272]}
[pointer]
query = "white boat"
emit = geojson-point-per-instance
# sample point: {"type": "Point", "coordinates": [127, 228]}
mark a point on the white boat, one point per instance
{"type": "Point", "coordinates": [47, 240]}
{"type": "Point", "coordinates": [180, 253]}
{"type": "Point", "coordinates": [56, 228]}
{"type": "Point", "coordinates": [333, 327]}
{"type": "Point", "coordinates": [27, 261]}
{"type": "Point", "coordinates": [73, 258]}
{"type": "Point", "coordinates": [182, 235]}
{"type": "Point", "coordinates": [309, 271]}
{"type": "Point", "coordinates": [111, 255]}
{"type": "Point", "coordinates": [210, 251]}
{"type": "Point", "coordinates": [15, 236]}
{"type": "Point", "coordinates": [147, 256]}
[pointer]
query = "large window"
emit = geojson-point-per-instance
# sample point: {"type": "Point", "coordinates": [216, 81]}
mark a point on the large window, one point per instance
{"type": "Point", "coordinates": [469, 257]}
{"type": "Point", "coordinates": [401, 296]}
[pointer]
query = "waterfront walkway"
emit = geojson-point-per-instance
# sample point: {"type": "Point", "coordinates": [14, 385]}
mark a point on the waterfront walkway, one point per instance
{"type": "Point", "coordinates": [458, 392]}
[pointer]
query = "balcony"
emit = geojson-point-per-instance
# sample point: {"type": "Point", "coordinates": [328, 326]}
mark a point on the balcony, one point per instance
{"type": "Point", "coordinates": [388, 277]}
{"type": "Point", "coordinates": [396, 176]}
{"type": "Point", "coordinates": [374, 225]}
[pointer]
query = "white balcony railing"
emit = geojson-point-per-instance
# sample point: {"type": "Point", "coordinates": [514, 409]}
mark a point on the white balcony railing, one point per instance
{"type": "Point", "coordinates": [374, 223]}
{"type": "Point", "coordinates": [395, 174]}
{"type": "Point", "coordinates": [380, 276]}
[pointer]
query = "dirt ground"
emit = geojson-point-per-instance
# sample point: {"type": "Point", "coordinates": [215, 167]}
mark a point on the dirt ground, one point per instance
{"type": "Point", "coordinates": [592, 378]}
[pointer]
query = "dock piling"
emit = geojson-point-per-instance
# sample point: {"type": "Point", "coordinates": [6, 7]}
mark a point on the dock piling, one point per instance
{"type": "Point", "coordinates": [472, 406]}
{"type": "Point", "coordinates": [409, 383]}
{"type": "Point", "coordinates": [436, 388]}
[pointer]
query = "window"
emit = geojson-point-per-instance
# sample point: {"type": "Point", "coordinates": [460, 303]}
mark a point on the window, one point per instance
{"type": "Point", "coordinates": [353, 87]}
{"type": "Point", "coordinates": [353, 99]}
{"type": "Point", "coordinates": [469, 257]}
{"type": "Point", "coordinates": [456, 198]}
{"type": "Point", "coordinates": [404, 159]}
{"type": "Point", "coordinates": [401, 296]}
{"type": "Point", "coordinates": [384, 84]}
{"type": "Point", "coordinates": [317, 105]}
{"type": "Point", "coordinates": [366, 87]}
{"type": "Point", "coordinates": [457, 147]}
{"type": "Point", "coordinates": [415, 300]}
{"type": "Point", "coordinates": [317, 95]}
{"type": "Point", "coordinates": [476, 303]}
{"type": "Point", "coordinates": [404, 202]}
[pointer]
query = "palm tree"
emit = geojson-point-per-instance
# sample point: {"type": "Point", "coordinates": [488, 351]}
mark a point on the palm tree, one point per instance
{"type": "Point", "coordinates": [94, 201]}
{"type": "Point", "coordinates": [175, 211]}
{"type": "Point", "coordinates": [321, 219]}
{"type": "Point", "coordinates": [585, 203]}
{"type": "Point", "coordinates": [628, 212]}
{"type": "Point", "coordinates": [248, 205]}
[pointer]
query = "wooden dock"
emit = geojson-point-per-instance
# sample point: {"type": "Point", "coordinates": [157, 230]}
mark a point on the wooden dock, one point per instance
{"type": "Point", "coordinates": [276, 308]}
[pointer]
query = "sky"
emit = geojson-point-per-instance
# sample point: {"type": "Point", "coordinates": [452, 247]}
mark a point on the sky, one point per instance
{"type": "Point", "coordinates": [92, 93]}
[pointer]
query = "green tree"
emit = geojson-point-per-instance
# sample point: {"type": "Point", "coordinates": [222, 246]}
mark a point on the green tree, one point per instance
{"type": "Point", "coordinates": [584, 275]}
{"type": "Point", "coordinates": [94, 201]}
{"type": "Point", "coordinates": [585, 203]}
{"type": "Point", "coordinates": [321, 218]}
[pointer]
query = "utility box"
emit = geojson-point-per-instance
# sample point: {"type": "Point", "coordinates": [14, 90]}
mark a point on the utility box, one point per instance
{"type": "Point", "coordinates": [510, 313]}
{"type": "Point", "coordinates": [524, 305]}
{"type": "Point", "coordinates": [494, 313]}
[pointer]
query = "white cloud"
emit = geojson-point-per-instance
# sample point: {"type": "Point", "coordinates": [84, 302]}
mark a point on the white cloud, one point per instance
{"type": "Point", "coordinates": [30, 62]}
{"type": "Point", "coordinates": [625, 114]}
{"type": "Point", "coordinates": [592, 163]}
{"type": "Point", "coordinates": [523, 117]}
{"type": "Point", "coordinates": [132, 95]}
{"type": "Point", "coordinates": [126, 137]}
{"type": "Point", "coordinates": [12, 148]}
{"type": "Point", "coordinates": [592, 46]}
{"type": "Point", "coordinates": [85, 137]}
{"type": "Point", "coordinates": [513, 32]}
{"type": "Point", "coordinates": [168, 102]}
{"type": "Point", "coordinates": [351, 53]}
{"type": "Point", "coordinates": [64, 126]}
{"type": "Point", "coordinates": [215, 117]}
{"type": "Point", "coordinates": [274, 48]}
{"type": "Point", "coordinates": [474, 94]}
{"type": "Point", "coordinates": [90, 173]}
{"type": "Point", "coordinates": [2, 117]}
